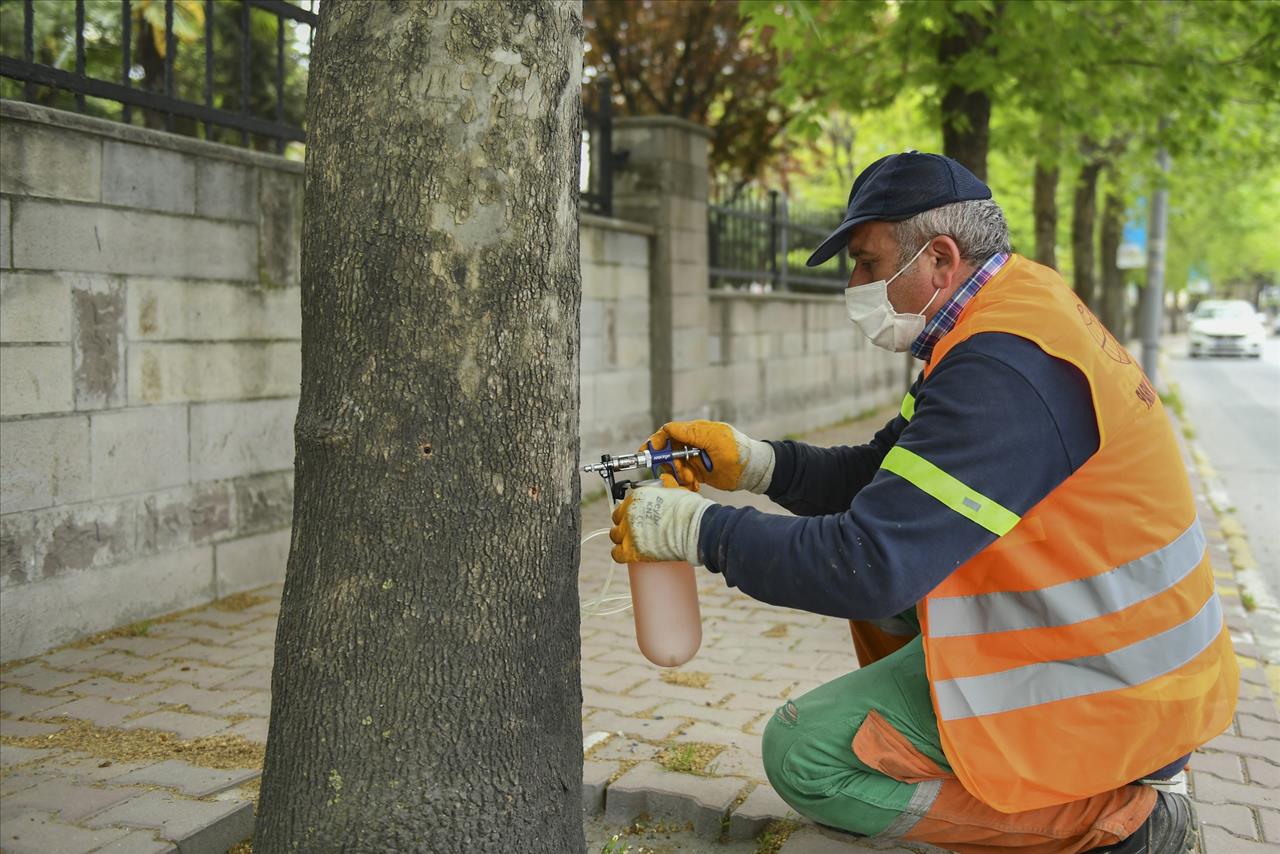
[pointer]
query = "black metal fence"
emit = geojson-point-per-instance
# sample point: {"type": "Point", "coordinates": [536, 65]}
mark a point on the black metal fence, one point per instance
{"type": "Point", "coordinates": [158, 42]}
{"type": "Point", "coordinates": [598, 157]}
{"type": "Point", "coordinates": [757, 241]}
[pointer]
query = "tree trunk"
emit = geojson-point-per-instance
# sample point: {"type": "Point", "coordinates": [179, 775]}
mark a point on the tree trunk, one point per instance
{"type": "Point", "coordinates": [1113, 287]}
{"type": "Point", "coordinates": [426, 692]}
{"type": "Point", "coordinates": [1084, 216]}
{"type": "Point", "coordinates": [1045, 210]}
{"type": "Point", "coordinates": [966, 113]}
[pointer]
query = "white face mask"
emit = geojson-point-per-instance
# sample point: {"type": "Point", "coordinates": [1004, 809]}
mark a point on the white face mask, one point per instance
{"type": "Point", "coordinates": [869, 308]}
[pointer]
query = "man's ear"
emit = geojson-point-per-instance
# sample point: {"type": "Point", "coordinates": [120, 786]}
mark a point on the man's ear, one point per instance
{"type": "Point", "coordinates": [947, 261]}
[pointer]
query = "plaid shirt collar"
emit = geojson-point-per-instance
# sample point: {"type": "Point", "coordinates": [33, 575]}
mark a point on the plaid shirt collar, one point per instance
{"type": "Point", "coordinates": [942, 322]}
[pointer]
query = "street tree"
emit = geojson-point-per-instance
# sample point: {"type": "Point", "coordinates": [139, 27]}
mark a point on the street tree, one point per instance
{"type": "Point", "coordinates": [1069, 83]}
{"type": "Point", "coordinates": [426, 692]}
{"type": "Point", "coordinates": [1112, 82]}
{"type": "Point", "coordinates": [944, 49]}
{"type": "Point", "coordinates": [1111, 298]}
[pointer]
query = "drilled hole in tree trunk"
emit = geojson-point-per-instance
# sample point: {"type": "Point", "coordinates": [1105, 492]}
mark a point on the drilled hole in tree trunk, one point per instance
{"type": "Point", "coordinates": [425, 447]}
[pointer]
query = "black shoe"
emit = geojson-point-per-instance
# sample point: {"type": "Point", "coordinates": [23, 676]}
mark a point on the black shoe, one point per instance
{"type": "Point", "coordinates": [1170, 829]}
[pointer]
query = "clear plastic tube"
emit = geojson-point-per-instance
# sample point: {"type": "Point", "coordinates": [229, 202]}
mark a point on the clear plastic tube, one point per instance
{"type": "Point", "coordinates": [599, 606]}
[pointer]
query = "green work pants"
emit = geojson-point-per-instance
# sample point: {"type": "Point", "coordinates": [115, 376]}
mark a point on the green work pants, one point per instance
{"type": "Point", "coordinates": [808, 752]}
{"type": "Point", "coordinates": [816, 753]}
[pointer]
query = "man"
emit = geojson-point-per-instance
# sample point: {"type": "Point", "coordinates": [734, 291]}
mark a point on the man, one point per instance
{"type": "Point", "coordinates": [1018, 552]}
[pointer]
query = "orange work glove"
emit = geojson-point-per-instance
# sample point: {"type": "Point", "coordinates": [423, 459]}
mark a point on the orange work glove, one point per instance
{"type": "Point", "coordinates": [737, 460]}
{"type": "Point", "coordinates": [658, 523]}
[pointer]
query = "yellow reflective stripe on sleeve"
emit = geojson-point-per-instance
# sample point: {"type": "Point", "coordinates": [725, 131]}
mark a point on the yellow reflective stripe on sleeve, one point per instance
{"type": "Point", "coordinates": [932, 480]}
{"type": "Point", "coordinates": [908, 406]}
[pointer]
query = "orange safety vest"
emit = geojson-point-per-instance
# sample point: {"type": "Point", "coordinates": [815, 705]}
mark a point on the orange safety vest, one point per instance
{"type": "Point", "coordinates": [1086, 647]}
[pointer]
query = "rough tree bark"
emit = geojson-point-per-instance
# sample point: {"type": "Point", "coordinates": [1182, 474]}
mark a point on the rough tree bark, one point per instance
{"type": "Point", "coordinates": [1113, 314]}
{"type": "Point", "coordinates": [426, 691]}
{"type": "Point", "coordinates": [1084, 217]}
{"type": "Point", "coordinates": [966, 113]}
{"type": "Point", "coordinates": [1044, 206]}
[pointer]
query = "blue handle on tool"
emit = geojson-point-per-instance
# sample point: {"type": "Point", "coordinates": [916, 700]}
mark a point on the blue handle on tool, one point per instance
{"type": "Point", "coordinates": [662, 457]}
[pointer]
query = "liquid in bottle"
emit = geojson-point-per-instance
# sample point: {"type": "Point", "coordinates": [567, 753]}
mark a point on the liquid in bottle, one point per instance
{"type": "Point", "coordinates": [664, 600]}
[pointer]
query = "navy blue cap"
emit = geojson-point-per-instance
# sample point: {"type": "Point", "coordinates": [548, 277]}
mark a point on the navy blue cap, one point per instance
{"type": "Point", "coordinates": [900, 186]}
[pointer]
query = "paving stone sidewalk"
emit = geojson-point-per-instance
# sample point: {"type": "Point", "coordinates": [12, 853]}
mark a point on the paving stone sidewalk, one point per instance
{"type": "Point", "coordinates": [148, 741]}
{"type": "Point", "coordinates": [153, 742]}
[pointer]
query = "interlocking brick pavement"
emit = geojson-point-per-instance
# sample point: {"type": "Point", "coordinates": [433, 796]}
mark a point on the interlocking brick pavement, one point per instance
{"type": "Point", "coordinates": [26, 729]}
{"type": "Point", "coordinates": [78, 796]}
{"type": "Point", "coordinates": [208, 671]}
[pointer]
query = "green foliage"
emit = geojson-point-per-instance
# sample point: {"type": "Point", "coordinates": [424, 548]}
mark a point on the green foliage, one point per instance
{"type": "Point", "coordinates": [188, 21]}
{"type": "Point", "coordinates": [615, 845]}
{"type": "Point", "coordinates": [1224, 207]}
{"type": "Point", "coordinates": [775, 835]}
{"type": "Point", "coordinates": [1172, 399]}
{"type": "Point", "coordinates": [1113, 80]}
{"type": "Point", "coordinates": [843, 144]}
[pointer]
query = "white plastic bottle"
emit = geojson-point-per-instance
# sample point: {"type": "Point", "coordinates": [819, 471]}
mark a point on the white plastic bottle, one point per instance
{"type": "Point", "coordinates": [664, 600]}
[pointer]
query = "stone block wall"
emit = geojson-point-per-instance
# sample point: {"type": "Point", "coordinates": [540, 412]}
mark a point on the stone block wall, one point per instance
{"type": "Point", "coordinates": [149, 369]}
{"type": "Point", "coordinates": [150, 359]}
{"type": "Point", "coordinates": [616, 367]}
{"type": "Point", "coordinates": [791, 363]}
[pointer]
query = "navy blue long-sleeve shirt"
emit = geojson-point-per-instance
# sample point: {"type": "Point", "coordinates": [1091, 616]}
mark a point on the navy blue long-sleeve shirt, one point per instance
{"type": "Point", "coordinates": [997, 413]}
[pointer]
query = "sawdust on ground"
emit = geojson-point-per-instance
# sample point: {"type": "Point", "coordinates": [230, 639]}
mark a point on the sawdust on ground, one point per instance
{"type": "Point", "coordinates": [147, 745]}
{"type": "Point", "coordinates": [688, 678]}
{"type": "Point", "coordinates": [239, 601]}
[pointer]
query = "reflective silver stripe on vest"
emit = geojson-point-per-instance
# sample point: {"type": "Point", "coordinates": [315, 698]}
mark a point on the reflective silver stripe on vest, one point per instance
{"type": "Point", "coordinates": [1071, 601]}
{"type": "Point", "coordinates": [1035, 684]}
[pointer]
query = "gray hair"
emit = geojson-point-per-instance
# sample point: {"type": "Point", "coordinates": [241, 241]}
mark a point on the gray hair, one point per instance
{"type": "Point", "coordinates": [978, 228]}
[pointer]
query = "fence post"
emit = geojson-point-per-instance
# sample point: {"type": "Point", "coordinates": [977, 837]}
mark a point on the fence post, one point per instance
{"type": "Point", "coordinates": [606, 145]}
{"type": "Point", "coordinates": [665, 185]}
{"type": "Point", "coordinates": [773, 237]}
{"type": "Point", "coordinates": [714, 224]}
{"type": "Point", "coordinates": [784, 244]}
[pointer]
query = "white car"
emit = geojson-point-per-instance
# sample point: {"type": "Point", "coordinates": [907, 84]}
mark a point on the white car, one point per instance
{"type": "Point", "coordinates": [1226, 327]}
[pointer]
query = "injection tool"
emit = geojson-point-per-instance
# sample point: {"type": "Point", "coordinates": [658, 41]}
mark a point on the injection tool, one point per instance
{"type": "Point", "coordinates": [664, 594]}
{"type": "Point", "coordinates": [648, 457]}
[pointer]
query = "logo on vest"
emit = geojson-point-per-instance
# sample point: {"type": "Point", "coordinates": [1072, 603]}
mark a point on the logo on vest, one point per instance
{"type": "Point", "coordinates": [1111, 347]}
{"type": "Point", "coordinates": [1145, 392]}
{"type": "Point", "coordinates": [1104, 339]}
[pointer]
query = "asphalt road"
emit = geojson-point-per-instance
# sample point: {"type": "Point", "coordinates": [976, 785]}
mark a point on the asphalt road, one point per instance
{"type": "Point", "coordinates": [1234, 405]}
